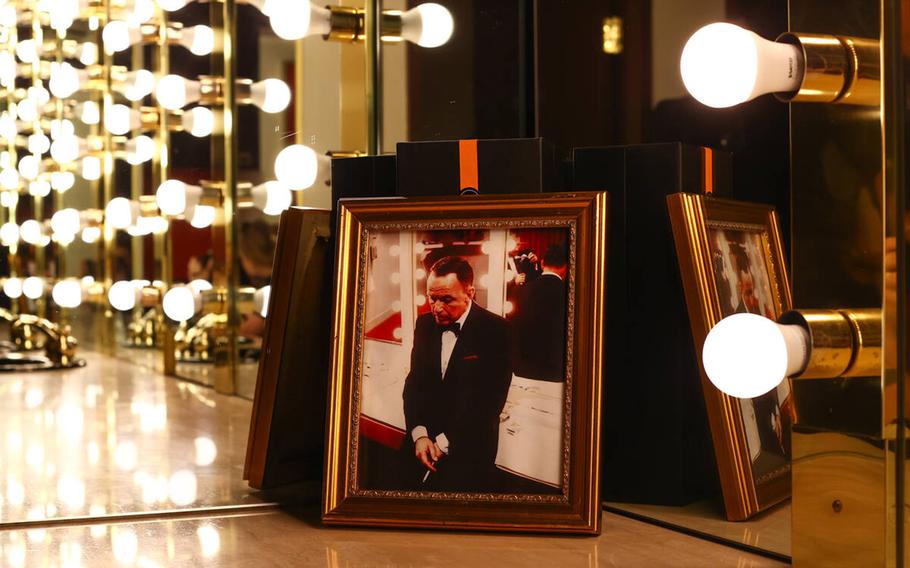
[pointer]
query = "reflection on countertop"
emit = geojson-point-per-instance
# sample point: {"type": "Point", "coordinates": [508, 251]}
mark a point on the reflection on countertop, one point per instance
{"type": "Point", "coordinates": [116, 438]}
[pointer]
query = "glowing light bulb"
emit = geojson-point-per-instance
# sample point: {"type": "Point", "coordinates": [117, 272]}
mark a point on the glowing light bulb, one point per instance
{"type": "Point", "coordinates": [39, 188]}
{"type": "Point", "coordinates": [292, 20]}
{"type": "Point", "coordinates": [39, 94]}
{"type": "Point", "coordinates": [62, 181]}
{"type": "Point", "coordinates": [270, 95]}
{"type": "Point", "coordinates": [201, 216]}
{"type": "Point", "coordinates": [61, 128]}
{"type": "Point", "coordinates": [175, 92]}
{"type": "Point", "coordinates": [90, 235]}
{"type": "Point", "coordinates": [65, 79]}
{"type": "Point", "coordinates": [88, 53]}
{"type": "Point", "coordinates": [27, 51]}
{"type": "Point", "coordinates": [67, 293]}
{"type": "Point", "coordinates": [200, 40]}
{"type": "Point", "coordinates": [27, 110]}
{"type": "Point", "coordinates": [724, 65]}
{"type": "Point", "coordinates": [29, 166]}
{"type": "Point", "coordinates": [9, 234]}
{"type": "Point", "coordinates": [746, 355]}
{"type": "Point", "coordinates": [65, 222]}
{"type": "Point", "coordinates": [33, 287]}
{"type": "Point", "coordinates": [261, 300]}
{"type": "Point", "coordinates": [12, 287]}
{"type": "Point", "coordinates": [139, 150]}
{"type": "Point", "coordinates": [9, 199]}
{"type": "Point", "coordinates": [137, 84]}
{"type": "Point", "coordinates": [9, 179]}
{"type": "Point", "coordinates": [91, 168]}
{"type": "Point", "coordinates": [180, 303]}
{"type": "Point", "coordinates": [118, 35]}
{"type": "Point", "coordinates": [8, 127]}
{"type": "Point", "coordinates": [66, 149]}
{"type": "Point", "coordinates": [123, 295]}
{"type": "Point", "coordinates": [38, 143]}
{"type": "Point", "coordinates": [121, 212]}
{"type": "Point", "coordinates": [7, 69]}
{"type": "Point", "coordinates": [174, 197]}
{"type": "Point", "coordinates": [172, 5]}
{"type": "Point", "coordinates": [31, 232]}
{"type": "Point", "coordinates": [143, 11]}
{"type": "Point", "coordinates": [198, 121]}
{"type": "Point", "coordinates": [427, 25]}
{"type": "Point", "coordinates": [120, 119]}
{"type": "Point", "coordinates": [271, 197]}
{"type": "Point", "coordinates": [298, 166]}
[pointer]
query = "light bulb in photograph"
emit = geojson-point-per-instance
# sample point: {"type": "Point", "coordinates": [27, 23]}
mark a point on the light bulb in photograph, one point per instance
{"type": "Point", "coordinates": [261, 300]}
{"type": "Point", "coordinates": [67, 293]}
{"type": "Point", "coordinates": [200, 40]}
{"type": "Point", "coordinates": [172, 5]}
{"type": "Point", "coordinates": [270, 95]}
{"type": "Point", "coordinates": [90, 235]}
{"type": "Point", "coordinates": [38, 143]}
{"type": "Point", "coordinates": [29, 166]}
{"type": "Point", "coordinates": [297, 166]}
{"type": "Point", "coordinates": [12, 287]}
{"type": "Point", "coordinates": [295, 19]}
{"type": "Point", "coordinates": [271, 197]}
{"type": "Point", "coordinates": [174, 197]}
{"type": "Point", "coordinates": [198, 121]}
{"type": "Point", "coordinates": [65, 221]}
{"type": "Point", "coordinates": [427, 25]}
{"type": "Point", "coordinates": [62, 181]}
{"type": "Point", "coordinates": [65, 79]}
{"type": "Point", "coordinates": [32, 232]}
{"type": "Point", "coordinates": [201, 216]}
{"type": "Point", "coordinates": [67, 149]}
{"type": "Point", "coordinates": [9, 179]}
{"type": "Point", "coordinates": [120, 119]}
{"type": "Point", "coordinates": [139, 150]}
{"type": "Point", "coordinates": [174, 92]}
{"type": "Point", "coordinates": [33, 287]}
{"type": "Point", "coordinates": [88, 53]}
{"type": "Point", "coordinates": [123, 295]}
{"type": "Point", "coordinates": [39, 188]}
{"type": "Point", "coordinates": [180, 303]}
{"type": "Point", "coordinates": [118, 36]}
{"type": "Point", "coordinates": [747, 355]}
{"type": "Point", "coordinates": [137, 84]}
{"type": "Point", "coordinates": [9, 234]}
{"type": "Point", "coordinates": [91, 168]}
{"type": "Point", "coordinates": [27, 51]}
{"type": "Point", "coordinates": [121, 212]}
{"type": "Point", "coordinates": [723, 65]}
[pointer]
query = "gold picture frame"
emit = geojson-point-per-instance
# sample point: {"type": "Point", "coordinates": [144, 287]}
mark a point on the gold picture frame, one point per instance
{"type": "Point", "coordinates": [573, 504]}
{"type": "Point", "coordinates": [731, 260]}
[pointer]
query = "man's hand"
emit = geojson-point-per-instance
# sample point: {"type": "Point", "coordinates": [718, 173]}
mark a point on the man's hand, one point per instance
{"type": "Point", "coordinates": [427, 452]}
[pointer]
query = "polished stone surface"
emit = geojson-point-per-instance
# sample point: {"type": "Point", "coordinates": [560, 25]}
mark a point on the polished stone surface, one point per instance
{"type": "Point", "coordinates": [115, 438]}
{"type": "Point", "coordinates": [281, 539]}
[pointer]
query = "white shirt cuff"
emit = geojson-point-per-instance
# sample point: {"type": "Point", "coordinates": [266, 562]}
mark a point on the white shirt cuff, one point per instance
{"type": "Point", "coordinates": [419, 432]}
{"type": "Point", "coordinates": [443, 443]}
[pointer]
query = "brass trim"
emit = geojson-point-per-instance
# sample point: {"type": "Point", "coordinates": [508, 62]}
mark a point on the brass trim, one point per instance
{"type": "Point", "coordinates": [830, 339]}
{"type": "Point", "coordinates": [825, 68]}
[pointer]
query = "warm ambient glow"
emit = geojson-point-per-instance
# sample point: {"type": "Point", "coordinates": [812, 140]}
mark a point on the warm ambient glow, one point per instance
{"type": "Point", "coordinates": [118, 35]}
{"type": "Point", "coordinates": [746, 355]}
{"type": "Point", "coordinates": [9, 234]}
{"type": "Point", "coordinates": [724, 65]}
{"type": "Point", "coordinates": [67, 293]}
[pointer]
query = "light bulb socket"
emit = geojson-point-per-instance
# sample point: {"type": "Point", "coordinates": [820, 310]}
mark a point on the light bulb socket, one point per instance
{"type": "Point", "coordinates": [836, 69]}
{"type": "Point", "coordinates": [843, 342]}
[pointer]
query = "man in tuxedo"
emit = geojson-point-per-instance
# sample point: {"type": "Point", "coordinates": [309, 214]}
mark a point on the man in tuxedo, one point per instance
{"type": "Point", "coordinates": [461, 369]}
{"type": "Point", "coordinates": [540, 321]}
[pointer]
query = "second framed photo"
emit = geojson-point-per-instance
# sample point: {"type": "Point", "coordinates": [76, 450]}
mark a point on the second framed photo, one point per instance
{"type": "Point", "coordinates": [467, 363]}
{"type": "Point", "coordinates": [731, 261]}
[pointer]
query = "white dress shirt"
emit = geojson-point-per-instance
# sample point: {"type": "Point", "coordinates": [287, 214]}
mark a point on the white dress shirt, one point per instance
{"type": "Point", "coordinates": [449, 339]}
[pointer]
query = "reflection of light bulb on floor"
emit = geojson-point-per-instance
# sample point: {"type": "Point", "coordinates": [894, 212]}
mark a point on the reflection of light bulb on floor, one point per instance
{"type": "Point", "coordinates": [747, 355]}
{"type": "Point", "coordinates": [139, 150]}
{"type": "Point", "coordinates": [174, 197]}
{"type": "Point", "coordinates": [180, 303]}
{"type": "Point", "coordinates": [724, 65]}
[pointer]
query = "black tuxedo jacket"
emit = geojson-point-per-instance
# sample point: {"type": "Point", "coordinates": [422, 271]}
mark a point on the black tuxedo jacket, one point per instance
{"type": "Point", "coordinates": [464, 405]}
{"type": "Point", "coordinates": [540, 326]}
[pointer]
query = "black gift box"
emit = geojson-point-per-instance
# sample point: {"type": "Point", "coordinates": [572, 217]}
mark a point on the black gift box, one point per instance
{"type": "Point", "coordinates": [656, 442]}
{"type": "Point", "coordinates": [518, 165]}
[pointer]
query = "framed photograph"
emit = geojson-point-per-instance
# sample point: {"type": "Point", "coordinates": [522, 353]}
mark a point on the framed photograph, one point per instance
{"type": "Point", "coordinates": [731, 261]}
{"type": "Point", "coordinates": [467, 360]}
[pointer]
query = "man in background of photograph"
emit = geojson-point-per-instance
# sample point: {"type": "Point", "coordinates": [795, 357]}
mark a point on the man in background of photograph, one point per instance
{"type": "Point", "coordinates": [540, 320]}
{"type": "Point", "coordinates": [460, 372]}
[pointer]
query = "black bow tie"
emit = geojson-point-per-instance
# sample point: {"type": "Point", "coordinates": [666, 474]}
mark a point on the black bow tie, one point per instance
{"type": "Point", "coordinates": [453, 327]}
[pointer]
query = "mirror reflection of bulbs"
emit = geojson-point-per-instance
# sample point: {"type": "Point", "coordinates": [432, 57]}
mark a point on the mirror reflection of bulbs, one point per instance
{"type": "Point", "coordinates": [39, 188]}
{"type": "Point", "coordinates": [271, 95]}
{"type": "Point", "coordinates": [12, 287]}
{"type": "Point", "coordinates": [9, 234]}
{"type": "Point", "coordinates": [200, 40]}
{"type": "Point", "coordinates": [62, 181]}
{"type": "Point", "coordinates": [174, 197]}
{"type": "Point", "coordinates": [118, 36]}
{"type": "Point", "coordinates": [9, 179]}
{"type": "Point", "coordinates": [180, 303]}
{"type": "Point", "coordinates": [87, 53]}
{"type": "Point", "coordinates": [198, 121]}
{"type": "Point", "coordinates": [723, 65]}
{"type": "Point", "coordinates": [67, 149]}
{"type": "Point", "coordinates": [65, 79]}
{"type": "Point", "coordinates": [61, 128]}
{"type": "Point", "coordinates": [120, 119]}
{"type": "Point", "coordinates": [33, 287]}
{"type": "Point", "coordinates": [747, 355]}
{"type": "Point", "coordinates": [123, 295]}
{"type": "Point", "coordinates": [172, 5]}
{"type": "Point", "coordinates": [32, 232]}
{"type": "Point", "coordinates": [91, 168]}
{"type": "Point", "coordinates": [121, 212]}
{"type": "Point", "coordinates": [90, 235]}
{"type": "Point", "coordinates": [298, 166]}
{"type": "Point", "coordinates": [27, 51]}
{"type": "Point", "coordinates": [292, 20]}
{"type": "Point", "coordinates": [271, 197]}
{"type": "Point", "coordinates": [65, 221]}
{"type": "Point", "coordinates": [137, 84]}
{"type": "Point", "coordinates": [38, 143]}
{"type": "Point", "coordinates": [139, 150]}
{"type": "Point", "coordinates": [174, 92]}
{"type": "Point", "coordinates": [29, 166]}
{"type": "Point", "coordinates": [201, 216]}
{"type": "Point", "coordinates": [67, 293]}
{"type": "Point", "coordinates": [427, 25]}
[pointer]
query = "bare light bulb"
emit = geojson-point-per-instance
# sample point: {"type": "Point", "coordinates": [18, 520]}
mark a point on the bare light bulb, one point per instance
{"type": "Point", "coordinates": [180, 303]}
{"type": "Point", "coordinates": [65, 222]}
{"type": "Point", "coordinates": [723, 65]}
{"type": "Point", "coordinates": [91, 168]}
{"type": "Point", "coordinates": [9, 234]}
{"type": "Point", "coordinates": [12, 287]}
{"type": "Point", "coordinates": [201, 216]}
{"type": "Point", "coordinates": [118, 36]}
{"type": "Point", "coordinates": [90, 235]}
{"type": "Point", "coordinates": [427, 25]}
{"type": "Point", "coordinates": [172, 5]}
{"type": "Point", "coordinates": [175, 92]}
{"type": "Point", "coordinates": [9, 178]}
{"type": "Point", "coordinates": [137, 84]}
{"type": "Point", "coordinates": [29, 166]}
{"type": "Point", "coordinates": [121, 212]}
{"type": "Point", "coordinates": [198, 121]}
{"type": "Point", "coordinates": [8, 126]}
{"type": "Point", "coordinates": [27, 51]}
{"type": "Point", "coordinates": [120, 119]}
{"type": "Point", "coordinates": [200, 40]}
{"type": "Point", "coordinates": [747, 355]}
{"type": "Point", "coordinates": [7, 69]}
{"type": "Point", "coordinates": [33, 287]}
{"type": "Point", "coordinates": [88, 53]}
{"type": "Point", "coordinates": [38, 143]}
{"type": "Point", "coordinates": [298, 166]}
{"type": "Point", "coordinates": [174, 197]}
{"type": "Point", "coordinates": [89, 112]}
{"type": "Point", "coordinates": [200, 285]}
{"type": "Point", "coordinates": [65, 79]}
{"type": "Point", "coordinates": [139, 150]}
{"type": "Point", "coordinates": [292, 19]}
{"type": "Point", "coordinates": [61, 128]}
{"type": "Point", "coordinates": [39, 188]}
{"type": "Point", "coordinates": [123, 295]}
{"type": "Point", "coordinates": [271, 95]}
{"type": "Point", "coordinates": [62, 181]}
{"type": "Point", "coordinates": [31, 232]}
{"type": "Point", "coordinates": [271, 197]}
{"type": "Point", "coordinates": [142, 11]}
{"type": "Point", "coordinates": [67, 293]}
